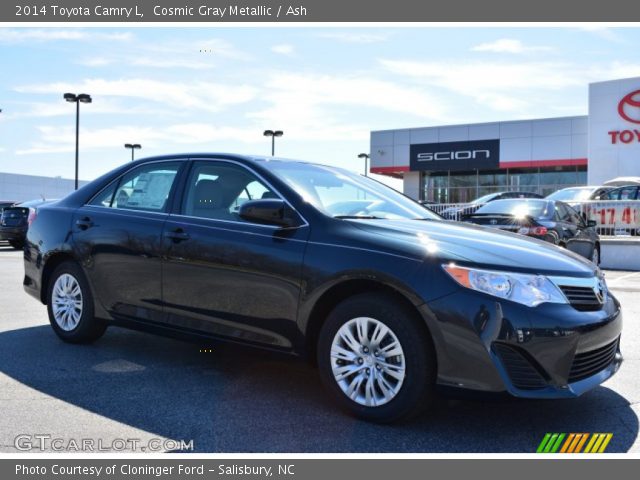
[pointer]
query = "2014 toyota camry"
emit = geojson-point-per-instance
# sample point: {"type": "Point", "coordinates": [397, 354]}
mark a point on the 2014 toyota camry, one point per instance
{"type": "Point", "coordinates": [302, 258]}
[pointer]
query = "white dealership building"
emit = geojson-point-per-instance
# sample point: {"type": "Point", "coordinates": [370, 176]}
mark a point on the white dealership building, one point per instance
{"type": "Point", "coordinates": [457, 163]}
{"type": "Point", "coordinates": [19, 188]}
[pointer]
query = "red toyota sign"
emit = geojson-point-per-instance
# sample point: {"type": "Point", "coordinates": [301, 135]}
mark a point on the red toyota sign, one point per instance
{"type": "Point", "coordinates": [629, 110]}
{"type": "Point", "coordinates": [629, 107]}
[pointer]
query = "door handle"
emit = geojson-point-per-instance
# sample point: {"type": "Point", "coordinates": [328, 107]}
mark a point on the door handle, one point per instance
{"type": "Point", "coordinates": [84, 223]}
{"type": "Point", "coordinates": [178, 235]}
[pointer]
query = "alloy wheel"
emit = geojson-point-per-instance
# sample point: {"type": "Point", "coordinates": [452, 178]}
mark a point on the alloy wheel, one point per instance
{"type": "Point", "coordinates": [367, 361]}
{"type": "Point", "coordinates": [66, 302]}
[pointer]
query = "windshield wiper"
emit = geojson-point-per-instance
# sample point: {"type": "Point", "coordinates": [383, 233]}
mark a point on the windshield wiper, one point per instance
{"type": "Point", "coordinates": [358, 217]}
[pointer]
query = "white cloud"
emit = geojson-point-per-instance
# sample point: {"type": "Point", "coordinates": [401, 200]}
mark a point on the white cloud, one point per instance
{"type": "Point", "coordinates": [214, 46]}
{"type": "Point", "coordinates": [194, 95]}
{"type": "Point", "coordinates": [508, 45]}
{"type": "Point", "coordinates": [21, 35]}
{"type": "Point", "coordinates": [62, 139]}
{"type": "Point", "coordinates": [354, 37]}
{"type": "Point", "coordinates": [283, 49]}
{"type": "Point", "coordinates": [503, 86]}
{"type": "Point", "coordinates": [61, 108]}
{"type": "Point", "coordinates": [168, 63]}
{"type": "Point", "coordinates": [95, 62]}
{"type": "Point", "coordinates": [604, 33]}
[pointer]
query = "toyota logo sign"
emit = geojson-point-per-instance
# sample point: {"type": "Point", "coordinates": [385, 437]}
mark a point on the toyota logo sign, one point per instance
{"type": "Point", "coordinates": [629, 107]}
{"type": "Point", "coordinates": [629, 110]}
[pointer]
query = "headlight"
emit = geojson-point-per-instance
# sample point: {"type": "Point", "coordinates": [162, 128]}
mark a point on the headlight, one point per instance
{"type": "Point", "coordinates": [530, 290]}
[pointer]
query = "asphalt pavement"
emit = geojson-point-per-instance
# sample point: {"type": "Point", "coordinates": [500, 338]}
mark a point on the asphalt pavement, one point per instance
{"type": "Point", "coordinates": [137, 392]}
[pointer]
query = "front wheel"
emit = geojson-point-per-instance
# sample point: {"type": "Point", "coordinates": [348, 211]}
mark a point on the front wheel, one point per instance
{"type": "Point", "coordinates": [70, 306]}
{"type": "Point", "coordinates": [377, 359]}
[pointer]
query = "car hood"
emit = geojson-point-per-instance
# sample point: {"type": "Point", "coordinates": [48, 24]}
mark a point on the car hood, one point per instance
{"type": "Point", "coordinates": [480, 246]}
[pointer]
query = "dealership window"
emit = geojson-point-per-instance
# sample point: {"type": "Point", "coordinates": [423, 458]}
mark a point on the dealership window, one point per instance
{"type": "Point", "coordinates": [460, 187]}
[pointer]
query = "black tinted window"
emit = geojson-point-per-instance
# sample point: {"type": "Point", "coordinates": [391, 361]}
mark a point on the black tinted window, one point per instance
{"type": "Point", "coordinates": [217, 190]}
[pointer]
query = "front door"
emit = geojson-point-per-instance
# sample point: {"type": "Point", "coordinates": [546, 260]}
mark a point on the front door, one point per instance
{"type": "Point", "coordinates": [224, 275]}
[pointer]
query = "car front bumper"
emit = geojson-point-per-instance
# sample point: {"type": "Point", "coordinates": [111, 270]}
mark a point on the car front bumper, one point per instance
{"type": "Point", "coordinates": [548, 351]}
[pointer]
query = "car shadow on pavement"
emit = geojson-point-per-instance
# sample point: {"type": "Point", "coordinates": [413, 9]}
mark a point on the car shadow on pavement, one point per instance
{"type": "Point", "coordinates": [234, 399]}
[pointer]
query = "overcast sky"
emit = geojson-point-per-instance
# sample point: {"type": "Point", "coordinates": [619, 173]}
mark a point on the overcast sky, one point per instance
{"type": "Point", "coordinates": [217, 89]}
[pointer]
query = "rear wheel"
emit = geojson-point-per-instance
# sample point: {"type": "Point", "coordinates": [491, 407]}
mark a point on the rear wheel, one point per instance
{"type": "Point", "coordinates": [377, 359]}
{"type": "Point", "coordinates": [70, 306]}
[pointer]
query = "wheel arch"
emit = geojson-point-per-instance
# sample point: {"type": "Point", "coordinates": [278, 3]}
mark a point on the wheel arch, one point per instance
{"type": "Point", "coordinates": [53, 261]}
{"type": "Point", "coordinates": [338, 292]}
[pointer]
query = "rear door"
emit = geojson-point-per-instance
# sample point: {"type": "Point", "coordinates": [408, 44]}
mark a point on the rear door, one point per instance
{"type": "Point", "coordinates": [224, 275]}
{"type": "Point", "coordinates": [117, 237]}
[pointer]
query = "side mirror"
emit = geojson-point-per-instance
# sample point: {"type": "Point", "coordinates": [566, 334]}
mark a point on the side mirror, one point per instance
{"type": "Point", "coordinates": [270, 212]}
{"type": "Point", "coordinates": [591, 223]}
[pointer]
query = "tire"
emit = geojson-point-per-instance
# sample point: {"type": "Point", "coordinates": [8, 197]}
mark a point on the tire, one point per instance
{"type": "Point", "coordinates": [17, 244]}
{"type": "Point", "coordinates": [414, 370]}
{"type": "Point", "coordinates": [68, 288]}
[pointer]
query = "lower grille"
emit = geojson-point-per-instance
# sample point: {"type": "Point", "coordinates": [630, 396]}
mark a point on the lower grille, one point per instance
{"type": "Point", "coordinates": [582, 298]}
{"type": "Point", "coordinates": [589, 363]}
{"type": "Point", "coordinates": [522, 373]}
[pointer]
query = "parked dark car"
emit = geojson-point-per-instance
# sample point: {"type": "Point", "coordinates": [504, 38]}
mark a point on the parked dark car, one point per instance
{"type": "Point", "coordinates": [548, 220]}
{"type": "Point", "coordinates": [5, 204]}
{"type": "Point", "coordinates": [573, 195]}
{"type": "Point", "coordinates": [455, 213]}
{"type": "Point", "coordinates": [390, 301]}
{"type": "Point", "coordinates": [14, 221]}
{"type": "Point", "coordinates": [628, 192]}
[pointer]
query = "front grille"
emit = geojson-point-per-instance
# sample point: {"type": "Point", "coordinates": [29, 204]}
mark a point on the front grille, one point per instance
{"type": "Point", "coordinates": [522, 373]}
{"type": "Point", "coordinates": [589, 363]}
{"type": "Point", "coordinates": [582, 298]}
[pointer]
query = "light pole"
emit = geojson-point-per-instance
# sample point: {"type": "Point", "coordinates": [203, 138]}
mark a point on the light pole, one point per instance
{"type": "Point", "coordinates": [273, 134]}
{"type": "Point", "coordinates": [366, 157]}
{"type": "Point", "coordinates": [77, 99]}
{"type": "Point", "coordinates": [133, 147]}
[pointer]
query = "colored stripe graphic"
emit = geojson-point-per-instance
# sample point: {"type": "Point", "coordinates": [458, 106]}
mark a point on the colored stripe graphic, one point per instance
{"type": "Point", "coordinates": [552, 442]}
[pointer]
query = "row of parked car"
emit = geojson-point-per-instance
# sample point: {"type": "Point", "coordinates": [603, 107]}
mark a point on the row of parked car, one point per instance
{"type": "Point", "coordinates": [14, 220]}
{"type": "Point", "coordinates": [552, 218]}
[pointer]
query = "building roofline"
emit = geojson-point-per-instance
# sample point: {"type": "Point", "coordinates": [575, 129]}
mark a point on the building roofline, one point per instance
{"type": "Point", "coordinates": [570, 117]}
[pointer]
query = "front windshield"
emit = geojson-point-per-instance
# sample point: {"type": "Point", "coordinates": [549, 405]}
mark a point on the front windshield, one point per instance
{"type": "Point", "coordinates": [516, 207]}
{"type": "Point", "coordinates": [342, 194]}
{"type": "Point", "coordinates": [576, 194]}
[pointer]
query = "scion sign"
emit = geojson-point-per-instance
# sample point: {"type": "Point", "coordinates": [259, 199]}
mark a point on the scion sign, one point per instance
{"type": "Point", "coordinates": [469, 155]}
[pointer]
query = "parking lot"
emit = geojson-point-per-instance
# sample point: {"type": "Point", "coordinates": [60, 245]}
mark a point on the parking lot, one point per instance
{"type": "Point", "coordinates": [133, 386]}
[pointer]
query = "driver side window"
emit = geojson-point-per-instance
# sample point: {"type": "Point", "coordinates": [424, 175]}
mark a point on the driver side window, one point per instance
{"type": "Point", "coordinates": [216, 190]}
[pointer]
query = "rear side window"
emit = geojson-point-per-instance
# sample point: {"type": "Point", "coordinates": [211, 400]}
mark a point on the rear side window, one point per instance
{"type": "Point", "coordinates": [628, 193]}
{"type": "Point", "coordinates": [612, 195]}
{"type": "Point", "coordinates": [144, 188]}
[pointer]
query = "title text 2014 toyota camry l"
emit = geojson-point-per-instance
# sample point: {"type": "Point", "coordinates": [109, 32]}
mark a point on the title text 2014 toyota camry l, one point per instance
{"type": "Point", "coordinates": [390, 299]}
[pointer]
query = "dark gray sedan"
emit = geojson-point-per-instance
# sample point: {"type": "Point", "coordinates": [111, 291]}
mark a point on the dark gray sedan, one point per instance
{"type": "Point", "coordinates": [548, 220]}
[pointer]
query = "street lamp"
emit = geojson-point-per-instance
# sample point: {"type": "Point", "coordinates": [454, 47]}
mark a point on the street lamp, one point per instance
{"type": "Point", "coordinates": [273, 134]}
{"type": "Point", "coordinates": [77, 99]}
{"type": "Point", "coordinates": [133, 147]}
{"type": "Point", "coordinates": [366, 157]}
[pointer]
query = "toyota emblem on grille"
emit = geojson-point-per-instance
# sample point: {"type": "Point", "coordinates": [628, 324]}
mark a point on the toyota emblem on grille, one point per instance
{"type": "Point", "coordinates": [493, 222]}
